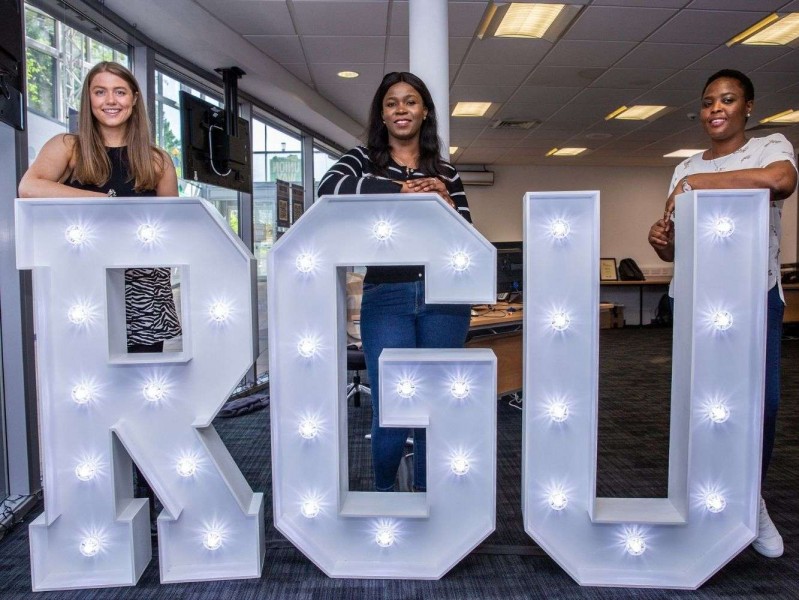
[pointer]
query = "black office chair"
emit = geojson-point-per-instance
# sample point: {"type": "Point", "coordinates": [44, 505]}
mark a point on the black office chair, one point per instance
{"type": "Point", "coordinates": [356, 362]}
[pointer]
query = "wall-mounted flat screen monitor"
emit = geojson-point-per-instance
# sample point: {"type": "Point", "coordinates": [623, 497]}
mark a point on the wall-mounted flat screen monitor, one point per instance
{"type": "Point", "coordinates": [209, 154]}
{"type": "Point", "coordinates": [510, 267]}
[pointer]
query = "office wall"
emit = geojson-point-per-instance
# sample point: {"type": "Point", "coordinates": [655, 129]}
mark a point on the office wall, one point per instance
{"type": "Point", "coordinates": [631, 200]}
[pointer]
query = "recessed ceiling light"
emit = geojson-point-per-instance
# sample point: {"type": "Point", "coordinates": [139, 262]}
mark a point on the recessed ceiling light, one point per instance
{"type": "Point", "coordinates": [683, 153]}
{"type": "Point", "coordinates": [348, 74]}
{"type": "Point", "coordinates": [639, 112]}
{"type": "Point", "coordinates": [527, 20]}
{"type": "Point", "coordinates": [565, 151]}
{"type": "Point", "coordinates": [774, 30]}
{"type": "Point", "coordinates": [788, 117]}
{"type": "Point", "coordinates": [453, 149]}
{"type": "Point", "coordinates": [471, 109]}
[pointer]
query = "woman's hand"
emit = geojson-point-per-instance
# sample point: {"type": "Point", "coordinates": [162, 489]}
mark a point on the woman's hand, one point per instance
{"type": "Point", "coordinates": [428, 184]}
{"type": "Point", "coordinates": [661, 238]}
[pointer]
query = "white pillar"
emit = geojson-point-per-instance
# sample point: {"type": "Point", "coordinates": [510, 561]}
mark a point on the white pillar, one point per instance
{"type": "Point", "coordinates": [429, 56]}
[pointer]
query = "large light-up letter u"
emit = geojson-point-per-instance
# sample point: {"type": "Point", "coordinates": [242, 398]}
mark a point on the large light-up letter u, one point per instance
{"type": "Point", "coordinates": [99, 406]}
{"type": "Point", "coordinates": [450, 392]}
{"type": "Point", "coordinates": [710, 513]}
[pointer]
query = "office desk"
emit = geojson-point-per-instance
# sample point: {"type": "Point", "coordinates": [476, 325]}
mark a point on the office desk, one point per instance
{"type": "Point", "coordinates": [791, 303]}
{"type": "Point", "coordinates": [500, 330]}
{"type": "Point", "coordinates": [652, 281]}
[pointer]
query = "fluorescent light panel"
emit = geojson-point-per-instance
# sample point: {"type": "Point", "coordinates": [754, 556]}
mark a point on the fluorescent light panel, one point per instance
{"type": "Point", "coordinates": [639, 112]}
{"type": "Point", "coordinates": [471, 109]}
{"type": "Point", "coordinates": [774, 30]}
{"type": "Point", "coordinates": [683, 153]}
{"type": "Point", "coordinates": [788, 116]}
{"type": "Point", "coordinates": [348, 74]}
{"type": "Point", "coordinates": [527, 20]}
{"type": "Point", "coordinates": [453, 149]}
{"type": "Point", "coordinates": [566, 151]}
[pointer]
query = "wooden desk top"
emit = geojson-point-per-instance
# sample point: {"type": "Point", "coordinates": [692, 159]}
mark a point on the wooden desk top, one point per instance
{"type": "Point", "coordinates": [647, 281]}
{"type": "Point", "coordinates": [501, 313]}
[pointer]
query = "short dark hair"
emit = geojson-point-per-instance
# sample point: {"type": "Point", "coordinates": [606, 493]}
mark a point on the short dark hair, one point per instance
{"type": "Point", "coordinates": [377, 134]}
{"type": "Point", "coordinates": [746, 83]}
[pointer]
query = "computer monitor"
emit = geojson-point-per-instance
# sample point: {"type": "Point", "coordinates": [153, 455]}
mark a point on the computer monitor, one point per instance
{"type": "Point", "coordinates": [510, 267]}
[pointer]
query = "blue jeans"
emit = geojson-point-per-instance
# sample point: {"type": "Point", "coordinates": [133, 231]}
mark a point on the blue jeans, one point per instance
{"type": "Point", "coordinates": [394, 315]}
{"type": "Point", "coordinates": [775, 312]}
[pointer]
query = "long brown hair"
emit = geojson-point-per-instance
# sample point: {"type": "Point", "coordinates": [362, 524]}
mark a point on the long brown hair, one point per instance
{"type": "Point", "coordinates": [92, 167]}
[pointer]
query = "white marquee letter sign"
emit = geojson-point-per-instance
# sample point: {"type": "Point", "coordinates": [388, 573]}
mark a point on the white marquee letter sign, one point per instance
{"type": "Point", "coordinates": [100, 406]}
{"type": "Point", "coordinates": [370, 534]}
{"type": "Point", "coordinates": [710, 513]}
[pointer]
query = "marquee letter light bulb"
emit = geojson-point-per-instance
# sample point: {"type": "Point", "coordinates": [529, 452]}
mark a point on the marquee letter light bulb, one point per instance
{"type": "Point", "coordinates": [558, 500]}
{"type": "Point", "coordinates": [724, 227]}
{"type": "Point", "coordinates": [147, 233]}
{"type": "Point", "coordinates": [82, 393]}
{"type": "Point", "coordinates": [308, 428]}
{"type": "Point", "coordinates": [721, 320]}
{"type": "Point", "coordinates": [715, 502]}
{"type": "Point", "coordinates": [186, 466]}
{"type": "Point", "coordinates": [384, 536]}
{"type": "Point", "coordinates": [459, 464]}
{"type": "Point", "coordinates": [406, 388]}
{"type": "Point", "coordinates": [460, 261]}
{"type": "Point", "coordinates": [307, 347]}
{"type": "Point", "coordinates": [212, 539]}
{"type": "Point", "coordinates": [718, 412]}
{"type": "Point", "coordinates": [558, 412]}
{"type": "Point", "coordinates": [78, 314]}
{"type": "Point", "coordinates": [90, 545]}
{"type": "Point", "coordinates": [634, 544]}
{"type": "Point", "coordinates": [76, 235]}
{"type": "Point", "coordinates": [382, 230]}
{"type": "Point", "coordinates": [560, 321]}
{"type": "Point", "coordinates": [219, 312]}
{"type": "Point", "coordinates": [86, 470]}
{"type": "Point", "coordinates": [559, 229]}
{"type": "Point", "coordinates": [305, 262]}
{"type": "Point", "coordinates": [153, 391]}
{"type": "Point", "coordinates": [459, 389]}
{"type": "Point", "coordinates": [310, 508]}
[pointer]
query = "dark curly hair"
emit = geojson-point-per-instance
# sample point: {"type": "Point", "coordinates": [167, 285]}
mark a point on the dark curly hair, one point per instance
{"type": "Point", "coordinates": [746, 83]}
{"type": "Point", "coordinates": [377, 134]}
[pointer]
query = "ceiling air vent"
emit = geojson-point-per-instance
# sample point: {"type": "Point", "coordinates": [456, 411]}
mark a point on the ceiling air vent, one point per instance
{"type": "Point", "coordinates": [514, 124]}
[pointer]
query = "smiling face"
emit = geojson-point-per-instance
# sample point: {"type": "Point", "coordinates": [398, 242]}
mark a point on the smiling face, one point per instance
{"type": "Point", "coordinates": [112, 101]}
{"type": "Point", "coordinates": [403, 112]}
{"type": "Point", "coordinates": [724, 109]}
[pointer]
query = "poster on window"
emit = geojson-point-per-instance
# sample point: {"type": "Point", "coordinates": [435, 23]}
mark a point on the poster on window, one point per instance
{"type": "Point", "coordinates": [283, 194]}
{"type": "Point", "coordinates": [297, 201]}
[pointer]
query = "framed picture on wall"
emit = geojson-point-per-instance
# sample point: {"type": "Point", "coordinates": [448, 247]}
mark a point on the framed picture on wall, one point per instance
{"type": "Point", "coordinates": [607, 269]}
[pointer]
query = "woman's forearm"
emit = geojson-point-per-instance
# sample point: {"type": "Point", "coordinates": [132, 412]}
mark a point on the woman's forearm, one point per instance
{"type": "Point", "coordinates": [35, 187]}
{"type": "Point", "coordinates": [779, 178]}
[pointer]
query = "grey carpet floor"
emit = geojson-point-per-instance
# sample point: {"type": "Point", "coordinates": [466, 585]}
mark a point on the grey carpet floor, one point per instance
{"type": "Point", "coordinates": [635, 370]}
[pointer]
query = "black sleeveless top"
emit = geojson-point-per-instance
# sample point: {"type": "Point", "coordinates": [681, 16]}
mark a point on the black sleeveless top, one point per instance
{"type": "Point", "coordinates": [150, 312]}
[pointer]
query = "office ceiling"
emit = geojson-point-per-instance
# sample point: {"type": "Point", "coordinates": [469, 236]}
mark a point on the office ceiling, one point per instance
{"type": "Point", "coordinates": [617, 52]}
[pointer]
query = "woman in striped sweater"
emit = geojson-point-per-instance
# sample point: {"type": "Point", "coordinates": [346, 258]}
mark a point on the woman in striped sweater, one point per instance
{"type": "Point", "coordinates": [403, 156]}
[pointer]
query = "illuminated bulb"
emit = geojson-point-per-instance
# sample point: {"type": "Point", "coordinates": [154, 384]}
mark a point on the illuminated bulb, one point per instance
{"type": "Point", "coordinates": [76, 235]}
{"type": "Point", "coordinates": [310, 508]}
{"type": "Point", "coordinates": [715, 502]}
{"type": "Point", "coordinates": [558, 500]}
{"type": "Point", "coordinates": [459, 465]}
{"type": "Point", "coordinates": [212, 540]}
{"type": "Point", "coordinates": [78, 314]}
{"type": "Point", "coordinates": [147, 233]}
{"type": "Point", "coordinates": [724, 227]}
{"type": "Point", "coordinates": [558, 412]}
{"type": "Point", "coordinates": [219, 311]}
{"type": "Point", "coordinates": [90, 545]}
{"type": "Point", "coordinates": [305, 263]}
{"type": "Point", "coordinates": [460, 261]}
{"type": "Point", "coordinates": [306, 347]}
{"type": "Point", "coordinates": [186, 466]}
{"type": "Point", "coordinates": [559, 229]}
{"type": "Point", "coordinates": [634, 544]}
{"type": "Point", "coordinates": [382, 230]}
{"type": "Point", "coordinates": [309, 428]}
{"type": "Point", "coordinates": [384, 536]}
{"type": "Point", "coordinates": [718, 412]}
{"type": "Point", "coordinates": [459, 389]}
{"type": "Point", "coordinates": [82, 393]}
{"type": "Point", "coordinates": [722, 320]}
{"type": "Point", "coordinates": [560, 321]}
{"type": "Point", "coordinates": [86, 470]}
{"type": "Point", "coordinates": [153, 391]}
{"type": "Point", "coordinates": [406, 388]}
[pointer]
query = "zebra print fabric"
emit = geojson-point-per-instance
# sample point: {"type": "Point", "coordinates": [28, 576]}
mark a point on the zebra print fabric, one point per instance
{"type": "Point", "coordinates": [150, 312]}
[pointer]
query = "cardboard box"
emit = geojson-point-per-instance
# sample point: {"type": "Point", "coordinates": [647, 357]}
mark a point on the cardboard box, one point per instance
{"type": "Point", "coordinates": [611, 316]}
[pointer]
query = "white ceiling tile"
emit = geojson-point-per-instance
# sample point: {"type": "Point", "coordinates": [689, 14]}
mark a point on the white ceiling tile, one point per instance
{"type": "Point", "coordinates": [481, 93]}
{"type": "Point", "coordinates": [343, 49]}
{"type": "Point", "coordinates": [481, 155]}
{"type": "Point", "coordinates": [527, 111]}
{"type": "Point", "coordinates": [632, 78]}
{"type": "Point", "coordinates": [649, 3]}
{"type": "Point", "coordinates": [687, 79]}
{"type": "Point", "coordinates": [768, 5]}
{"type": "Point", "coordinates": [465, 17]}
{"type": "Point", "coordinates": [786, 62]}
{"type": "Point", "coordinates": [664, 56]}
{"type": "Point", "coordinates": [533, 94]}
{"type": "Point", "coordinates": [498, 74]}
{"type": "Point", "coordinates": [568, 53]}
{"type": "Point", "coordinates": [705, 26]}
{"type": "Point", "coordinates": [352, 99]}
{"type": "Point", "coordinates": [280, 48]}
{"type": "Point", "coordinates": [248, 17]}
{"type": "Point", "coordinates": [327, 74]}
{"type": "Point", "coordinates": [300, 71]}
{"type": "Point", "coordinates": [341, 18]}
{"type": "Point", "coordinates": [507, 136]}
{"type": "Point", "coordinates": [564, 76]}
{"type": "Point", "coordinates": [743, 58]}
{"type": "Point", "coordinates": [491, 51]}
{"type": "Point", "coordinates": [618, 23]}
{"type": "Point", "coordinates": [399, 51]}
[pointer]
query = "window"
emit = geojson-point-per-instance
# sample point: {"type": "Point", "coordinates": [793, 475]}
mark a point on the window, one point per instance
{"type": "Point", "coordinates": [322, 161]}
